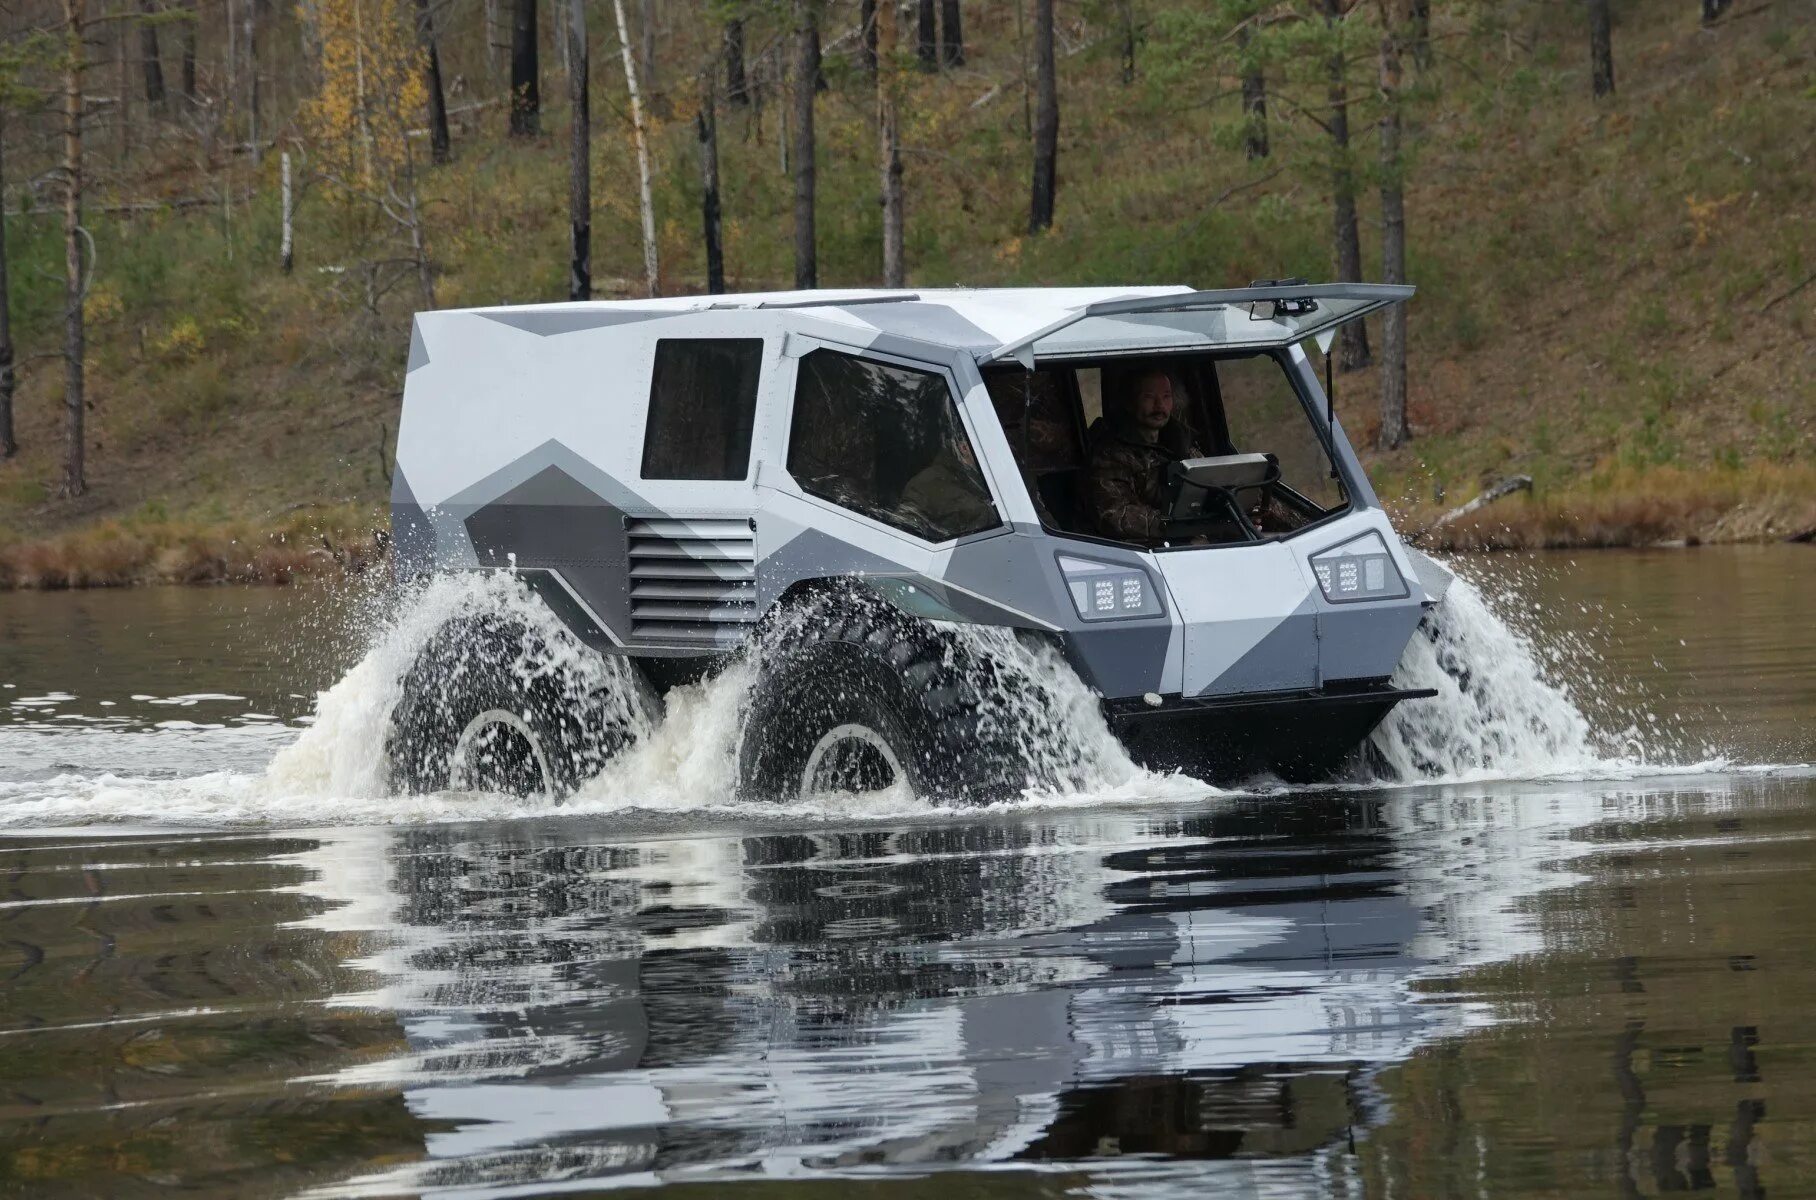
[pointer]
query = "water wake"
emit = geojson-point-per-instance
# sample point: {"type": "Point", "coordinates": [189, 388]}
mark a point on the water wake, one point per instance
{"type": "Point", "coordinates": [1502, 711]}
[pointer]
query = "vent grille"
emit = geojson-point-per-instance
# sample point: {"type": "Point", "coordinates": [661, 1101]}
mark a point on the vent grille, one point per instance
{"type": "Point", "coordinates": [693, 582]}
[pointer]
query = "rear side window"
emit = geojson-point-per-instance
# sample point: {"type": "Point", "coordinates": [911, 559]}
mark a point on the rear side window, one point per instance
{"type": "Point", "coordinates": [887, 442]}
{"type": "Point", "coordinates": [702, 402]}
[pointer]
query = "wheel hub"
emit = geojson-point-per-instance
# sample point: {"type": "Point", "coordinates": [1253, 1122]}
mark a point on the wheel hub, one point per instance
{"type": "Point", "coordinates": [850, 758]}
{"type": "Point", "coordinates": [499, 752]}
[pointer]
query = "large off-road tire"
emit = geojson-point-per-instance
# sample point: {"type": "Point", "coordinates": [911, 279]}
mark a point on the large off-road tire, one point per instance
{"type": "Point", "coordinates": [493, 705]}
{"type": "Point", "coordinates": [853, 695]}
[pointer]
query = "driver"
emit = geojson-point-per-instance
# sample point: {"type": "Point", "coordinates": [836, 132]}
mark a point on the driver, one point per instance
{"type": "Point", "coordinates": [1130, 449]}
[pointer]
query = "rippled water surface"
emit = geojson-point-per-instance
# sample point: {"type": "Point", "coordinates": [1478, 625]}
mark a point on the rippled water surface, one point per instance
{"type": "Point", "coordinates": [1584, 974]}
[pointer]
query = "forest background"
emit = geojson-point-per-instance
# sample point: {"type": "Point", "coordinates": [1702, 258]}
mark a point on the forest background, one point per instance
{"type": "Point", "coordinates": [220, 215]}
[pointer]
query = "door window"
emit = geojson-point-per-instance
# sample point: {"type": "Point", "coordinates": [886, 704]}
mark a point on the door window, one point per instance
{"type": "Point", "coordinates": [886, 441]}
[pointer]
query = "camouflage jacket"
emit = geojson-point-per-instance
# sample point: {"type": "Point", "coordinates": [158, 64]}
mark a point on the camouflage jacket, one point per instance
{"type": "Point", "coordinates": [1124, 482]}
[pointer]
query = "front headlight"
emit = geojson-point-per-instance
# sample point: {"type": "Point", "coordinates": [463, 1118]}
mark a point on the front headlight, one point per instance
{"type": "Point", "coordinates": [1359, 569]}
{"type": "Point", "coordinates": [1108, 591]}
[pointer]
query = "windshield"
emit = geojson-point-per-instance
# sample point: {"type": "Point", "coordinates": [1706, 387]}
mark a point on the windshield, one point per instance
{"type": "Point", "coordinates": [1168, 451]}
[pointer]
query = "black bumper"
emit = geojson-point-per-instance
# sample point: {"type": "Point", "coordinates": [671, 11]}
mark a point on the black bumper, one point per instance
{"type": "Point", "coordinates": [1299, 736]}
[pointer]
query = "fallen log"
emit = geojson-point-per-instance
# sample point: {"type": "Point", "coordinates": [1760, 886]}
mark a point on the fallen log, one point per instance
{"type": "Point", "coordinates": [1501, 490]}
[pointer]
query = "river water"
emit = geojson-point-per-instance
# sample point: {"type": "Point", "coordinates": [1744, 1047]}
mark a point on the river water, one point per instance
{"type": "Point", "coordinates": [1555, 939]}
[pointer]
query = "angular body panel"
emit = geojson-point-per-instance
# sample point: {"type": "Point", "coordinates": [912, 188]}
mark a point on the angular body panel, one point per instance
{"type": "Point", "coordinates": [526, 434]}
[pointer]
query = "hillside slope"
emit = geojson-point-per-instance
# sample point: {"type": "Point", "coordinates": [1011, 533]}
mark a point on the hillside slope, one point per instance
{"type": "Point", "coordinates": [1609, 290]}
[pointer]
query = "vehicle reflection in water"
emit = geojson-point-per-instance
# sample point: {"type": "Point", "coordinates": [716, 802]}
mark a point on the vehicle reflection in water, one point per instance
{"type": "Point", "coordinates": [1221, 985]}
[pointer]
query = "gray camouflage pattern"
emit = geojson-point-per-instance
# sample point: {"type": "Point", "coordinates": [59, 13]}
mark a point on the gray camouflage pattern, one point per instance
{"type": "Point", "coordinates": [519, 447]}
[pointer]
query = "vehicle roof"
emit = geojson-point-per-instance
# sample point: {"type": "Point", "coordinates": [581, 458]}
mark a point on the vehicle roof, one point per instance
{"type": "Point", "coordinates": [978, 320]}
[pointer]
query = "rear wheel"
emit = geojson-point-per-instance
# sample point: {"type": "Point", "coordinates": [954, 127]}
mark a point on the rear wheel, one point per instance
{"type": "Point", "coordinates": [854, 696]}
{"type": "Point", "coordinates": [492, 705]}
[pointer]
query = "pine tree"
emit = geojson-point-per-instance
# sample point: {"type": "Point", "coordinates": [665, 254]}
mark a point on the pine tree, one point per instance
{"type": "Point", "coordinates": [9, 444]}
{"type": "Point", "coordinates": [1046, 121]}
{"type": "Point", "coordinates": [889, 138]}
{"type": "Point", "coordinates": [526, 82]}
{"type": "Point", "coordinates": [75, 398]}
{"type": "Point", "coordinates": [580, 159]}
{"type": "Point", "coordinates": [806, 75]}
{"type": "Point", "coordinates": [150, 65]}
{"type": "Point", "coordinates": [440, 147]}
{"type": "Point", "coordinates": [1601, 49]}
{"type": "Point", "coordinates": [1394, 428]}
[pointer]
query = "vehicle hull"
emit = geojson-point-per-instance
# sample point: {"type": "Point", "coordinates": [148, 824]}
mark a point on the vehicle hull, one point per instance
{"type": "Point", "coordinates": [1298, 736]}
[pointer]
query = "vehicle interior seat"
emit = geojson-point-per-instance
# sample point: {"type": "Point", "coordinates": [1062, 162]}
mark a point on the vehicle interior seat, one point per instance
{"type": "Point", "coordinates": [1059, 491]}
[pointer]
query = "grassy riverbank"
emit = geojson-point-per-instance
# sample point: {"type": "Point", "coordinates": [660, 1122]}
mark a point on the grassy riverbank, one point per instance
{"type": "Point", "coordinates": [1663, 507]}
{"type": "Point", "coordinates": [150, 549]}
{"type": "Point", "coordinates": [1660, 508]}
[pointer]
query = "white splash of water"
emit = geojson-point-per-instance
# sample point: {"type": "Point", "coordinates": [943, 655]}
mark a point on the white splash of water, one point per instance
{"type": "Point", "coordinates": [1496, 715]}
{"type": "Point", "coordinates": [1504, 707]}
{"type": "Point", "coordinates": [342, 753]}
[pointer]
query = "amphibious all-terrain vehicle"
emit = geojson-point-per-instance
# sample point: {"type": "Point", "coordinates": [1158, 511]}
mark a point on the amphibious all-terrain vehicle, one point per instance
{"type": "Point", "coordinates": [835, 482]}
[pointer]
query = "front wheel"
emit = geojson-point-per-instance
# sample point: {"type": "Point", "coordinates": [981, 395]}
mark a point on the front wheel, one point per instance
{"type": "Point", "coordinates": [855, 697]}
{"type": "Point", "coordinates": [492, 705]}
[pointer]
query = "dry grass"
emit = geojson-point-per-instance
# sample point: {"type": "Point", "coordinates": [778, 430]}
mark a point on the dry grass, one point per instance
{"type": "Point", "coordinates": [1628, 508]}
{"type": "Point", "coordinates": [122, 553]}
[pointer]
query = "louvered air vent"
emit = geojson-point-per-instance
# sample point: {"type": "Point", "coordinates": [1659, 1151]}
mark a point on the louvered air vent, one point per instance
{"type": "Point", "coordinates": [693, 582]}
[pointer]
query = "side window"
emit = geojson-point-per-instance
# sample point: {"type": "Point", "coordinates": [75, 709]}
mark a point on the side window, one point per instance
{"type": "Point", "coordinates": [702, 402]}
{"type": "Point", "coordinates": [886, 441]}
{"type": "Point", "coordinates": [1263, 414]}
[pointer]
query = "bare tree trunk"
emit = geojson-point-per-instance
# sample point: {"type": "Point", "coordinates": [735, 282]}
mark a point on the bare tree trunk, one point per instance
{"type": "Point", "coordinates": [188, 42]}
{"type": "Point", "coordinates": [9, 445]}
{"type": "Point", "coordinates": [560, 27]}
{"type": "Point", "coordinates": [1254, 98]}
{"type": "Point", "coordinates": [867, 33]}
{"type": "Point", "coordinates": [1021, 62]}
{"type": "Point", "coordinates": [580, 156]}
{"type": "Point", "coordinates": [737, 86]}
{"type": "Point", "coordinates": [123, 90]}
{"type": "Point", "coordinates": [889, 134]}
{"type": "Point", "coordinates": [807, 69]}
{"type": "Point", "coordinates": [952, 34]}
{"type": "Point", "coordinates": [646, 56]}
{"type": "Point", "coordinates": [526, 87]}
{"type": "Point", "coordinates": [425, 270]}
{"type": "Point", "coordinates": [492, 44]}
{"type": "Point", "coordinates": [232, 57]}
{"type": "Point", "coordinates": [287, 199]}
{"type": "Point", "coordinates": [440, 143]}
{"type": "Point", "coordinates": [650, 267]}
{"type": "Point", "coordinates": [252, 78]}
{"type": "Point", "coordinates": [153, 65]}
{"type": "Point", "coordinates": [1394, 428]}
{"type": "Point", "coordinates": [1352, 338]}
{"type": "Point", "coordinates": [927, 31]}
{"type": "Point", "coordinates": [75, 480]}
{"type": "Point", "coordinates": [706, 125]}
{"type": "Point", "coordinates": [1601, 48]}
{"type": "Point", "coordinates": [1125, 17]}
{"type": "Point", "coordinates": [1046, 121]}
{"type": "Point", "coordinates": [1419, 34]}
